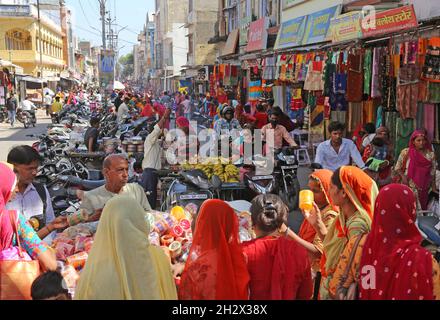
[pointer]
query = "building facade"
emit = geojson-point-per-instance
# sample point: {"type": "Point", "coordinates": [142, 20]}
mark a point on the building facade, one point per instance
{"type": "Point", "coordinates": [20, 41]}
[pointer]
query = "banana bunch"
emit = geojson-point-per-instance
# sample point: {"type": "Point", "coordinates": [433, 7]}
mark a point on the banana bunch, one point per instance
{"type": "Point", "coordinates": [216, 166]}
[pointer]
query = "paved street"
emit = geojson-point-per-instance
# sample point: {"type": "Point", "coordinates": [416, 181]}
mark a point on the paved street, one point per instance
{"type": "Point", "coordinates": [10, 137]}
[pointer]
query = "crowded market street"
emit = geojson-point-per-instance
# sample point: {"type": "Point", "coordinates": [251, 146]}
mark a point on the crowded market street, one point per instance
{"type": "Point", "coordinates": [220, 150]}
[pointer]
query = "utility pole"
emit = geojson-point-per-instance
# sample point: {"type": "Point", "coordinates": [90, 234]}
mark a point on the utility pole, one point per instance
{"type": "Point", "coordinates": [103, 12]}
{"type": "Point", "coordinates": [41, 53]}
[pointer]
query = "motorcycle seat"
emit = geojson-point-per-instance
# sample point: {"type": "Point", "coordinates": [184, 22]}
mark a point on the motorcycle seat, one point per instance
{"type": "Point", "coordinates": [427, 226]}
{"type": "Point", "coordinates": [85, 184]}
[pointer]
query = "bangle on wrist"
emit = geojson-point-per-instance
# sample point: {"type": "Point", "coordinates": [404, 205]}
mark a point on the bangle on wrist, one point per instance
{"type": "Point", "coordinates": [48, 228]}
{"type": "Point", "coordinates": [286, 233]}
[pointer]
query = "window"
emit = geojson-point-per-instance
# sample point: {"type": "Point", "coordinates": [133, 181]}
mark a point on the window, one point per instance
{"type": "Point", "coordinates": [18, 39]}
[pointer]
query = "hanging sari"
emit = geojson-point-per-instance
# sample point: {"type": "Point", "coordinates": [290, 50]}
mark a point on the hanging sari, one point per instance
{"type": "Point", "coordinates": [122, 264]}
{"type": "Point", "coordinates": [362, 192]}
{"type": "Point", "coordinates": [216, 267]}
{"type": "Point", "coordinates": [404, 269]}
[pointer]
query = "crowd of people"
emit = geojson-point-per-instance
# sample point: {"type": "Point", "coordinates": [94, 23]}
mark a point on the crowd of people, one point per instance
{"type": "Point", "coordinates": [360, 240]}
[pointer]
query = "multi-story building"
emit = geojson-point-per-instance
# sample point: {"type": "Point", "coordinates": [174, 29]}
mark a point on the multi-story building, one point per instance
{"type": "Point", "coordinates": [201, 29]}
{"type": "Point", "coordinates": [171, 43]}
{"type": "Point", "coordinates": [20, 38]}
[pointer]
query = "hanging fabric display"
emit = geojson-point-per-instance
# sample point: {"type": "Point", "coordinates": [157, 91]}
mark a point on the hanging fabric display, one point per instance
{"type": "Point", "coordinates": [355, 77]}
{"type": "Point", "coordinates": [431, 70]}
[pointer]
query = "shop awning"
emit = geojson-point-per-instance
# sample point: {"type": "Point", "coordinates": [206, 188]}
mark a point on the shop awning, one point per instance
{"type": "Point", "coordinates": [231, 43]}
{"type": "Point", "coordinates": [32, 79]}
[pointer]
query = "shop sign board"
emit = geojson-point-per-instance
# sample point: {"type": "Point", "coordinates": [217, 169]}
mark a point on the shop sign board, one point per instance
{"type": "Point", "coordinates": [257, 38]}
{"type": "Point", "coordinates": [244, 29]}
{"type": "Point", "coordinates": [318, 25]}
{"type": "Point", "coordinates": [291, 33]}
{"type": "Point", "coordinates": [345, 27]}
{"type": "Point", "coordinates": [107, 68]}
{"type": "Point", "coordinates": [291, 3]}
{"type": "Point", "coordinates": [15, 10]}
{"type": "Point", "coordinates": [389, 21]}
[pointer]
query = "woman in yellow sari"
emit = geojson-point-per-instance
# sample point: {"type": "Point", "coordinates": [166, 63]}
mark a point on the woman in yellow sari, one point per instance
{"type": "Point", "coordinates": [122, 264]}
{"type": "Point", "coordinates": [354, 192]}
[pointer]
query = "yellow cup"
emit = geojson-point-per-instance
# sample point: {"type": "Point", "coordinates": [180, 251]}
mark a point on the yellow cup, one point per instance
{"type": "Point", "coordinates": [178, 213]}
{"type": "Point", "coordinates": [306, 199]}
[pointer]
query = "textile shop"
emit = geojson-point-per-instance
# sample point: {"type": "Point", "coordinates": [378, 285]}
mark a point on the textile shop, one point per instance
{"type": "Point", "coordinates": [389, 75]}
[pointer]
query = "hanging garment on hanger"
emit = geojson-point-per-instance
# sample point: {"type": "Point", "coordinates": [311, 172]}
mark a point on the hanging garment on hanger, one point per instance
{"type": "Point", "coordinates": [420, 119]}
{"type": "Point", "coordinates": [379, 117]}
{"type": "Point", "coordinates": [368, 111]}
{"type": "Point", "coordinates": [354, 115]}
{"type": "Point", "coordinates": [429, 120]}
{"type": "Point", "coordinates": [390, 118]}
{"type": "Point", "coordinates": [404, 130]}
{"type": "Point", "coordinates": [314, 79]}
{"type": "Point", "coordinates": [368, 65]}
{"type": "Point", "coordinates": [375, 78]}
{"type": "Point", "coordinates": [355, 77]}
{"type": "Point", "coordinates": [433, 92]}
{"type": "Point", "coordinates": [408, 91]}
{"type": "Point", "coordinates": [339, 116]}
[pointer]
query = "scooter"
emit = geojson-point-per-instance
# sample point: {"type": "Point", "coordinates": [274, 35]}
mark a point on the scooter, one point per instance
{"type": "Point", "coordinates": [286, 173]}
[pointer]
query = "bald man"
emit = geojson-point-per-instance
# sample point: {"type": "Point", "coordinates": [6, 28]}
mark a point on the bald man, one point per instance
{"type": "Point", "coordinates": [115, 170]}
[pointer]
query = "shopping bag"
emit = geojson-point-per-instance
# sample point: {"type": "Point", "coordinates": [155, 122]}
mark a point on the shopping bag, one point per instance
{"type": "Point", "coordinates": [17, 270]}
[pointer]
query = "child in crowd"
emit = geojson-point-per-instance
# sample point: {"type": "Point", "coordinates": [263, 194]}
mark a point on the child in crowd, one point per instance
{"type": "Point", "coordinates": [50, 286]}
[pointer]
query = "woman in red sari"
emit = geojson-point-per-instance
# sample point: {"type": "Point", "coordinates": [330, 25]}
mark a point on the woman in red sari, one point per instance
{"type": "Point", "coordinates": [279, 268]}
{"type": "Point", "coordinates": [403, 269]}
{"type": "Point", "coordinates": [216, 267]}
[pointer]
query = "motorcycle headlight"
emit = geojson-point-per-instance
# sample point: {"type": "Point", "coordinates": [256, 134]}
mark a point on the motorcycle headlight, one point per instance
{"type": "Point", "coordinates": [290, 159]}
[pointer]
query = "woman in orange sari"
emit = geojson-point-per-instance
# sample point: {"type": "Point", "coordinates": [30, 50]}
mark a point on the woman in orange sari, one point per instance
{"type": "Point", "coordinates": [354, 192]}
{"type": "Point", "coordinates": [313, 229]}
{"type": "Point", "coordinates": [216, 267]}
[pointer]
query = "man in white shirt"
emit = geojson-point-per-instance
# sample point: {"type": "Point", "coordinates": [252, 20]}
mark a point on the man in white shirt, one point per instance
{"type": "Point", "coordinates": [123, 110]}
{"type": "Point", "coordinates": [115, 170]}
{"type": "Point", "coordinates": [27, 105]}
{"type": "Point", "coordinates": [47, 103]}
{"type": "Point", "coordinates": [152, 160]}
{"type": "Point", "coordinates": [187, 107]}
{"type": "Point", "coordinates": [33, 200]}
{"type": "Point", "coordinates": [337, 152]}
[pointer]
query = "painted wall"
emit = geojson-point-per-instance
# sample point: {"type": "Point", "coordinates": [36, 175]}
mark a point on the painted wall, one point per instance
{"type": "Point", "coordinates": [308, 7]}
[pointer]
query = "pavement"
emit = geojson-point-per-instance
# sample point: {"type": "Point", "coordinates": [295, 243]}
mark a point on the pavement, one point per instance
{"type": "Point", "coordinates": [10, 137]}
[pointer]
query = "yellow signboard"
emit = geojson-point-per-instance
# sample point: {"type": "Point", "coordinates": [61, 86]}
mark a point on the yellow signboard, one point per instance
{"type": "Point", "coordinates": [345, 27]}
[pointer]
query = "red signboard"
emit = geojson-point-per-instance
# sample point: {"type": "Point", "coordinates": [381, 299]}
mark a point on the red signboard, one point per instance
{"type": "Point", "coordinates": [390, 21]}
{"type": "Point", "coordinates": [257, 37]}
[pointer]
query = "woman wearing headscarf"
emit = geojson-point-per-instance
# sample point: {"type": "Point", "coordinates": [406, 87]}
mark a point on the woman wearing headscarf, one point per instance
{"type": "Point", "coordinates": [279, 268]}
{"type": "Point", "coordinates": [122, 264]}
{"type": "Point", "coordinates": [380, 148]}
{"type": "Point", "coordinates": [314, 228]}
{"type": "Point", "coordinates": [29, 240]}
{"type": "Point", "coordinates": [354, 192]}
{"type": "Point", "coordinates": [416, 168]}
{"type": "Point", "coordinates": [403, 269]}
{"type": "Point", "coordinates": [216, 267]}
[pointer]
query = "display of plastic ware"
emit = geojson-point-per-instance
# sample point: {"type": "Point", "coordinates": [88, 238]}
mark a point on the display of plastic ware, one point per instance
{"type": "Point", "coordinates": [150, 219]}
{"type": "Point", "coordinates": [166, 240]}
{"type": "Point", "coordinates": [175, 249]}
{"type": "Point", "coordinates": [154, 238]}
{"type": "Point", "coordinates": [178, 213]}
{"type": "Point", "coordinates": [192, 209]}
{"type": "Point", "coordinates": [185, 224]}
{"type": "Point", "coordinates": [177, 232]}
{"type": "Point", "coordinates": [306, 199]}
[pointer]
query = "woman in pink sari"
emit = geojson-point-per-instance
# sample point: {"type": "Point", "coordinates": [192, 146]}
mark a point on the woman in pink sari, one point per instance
{"type": "Point", "coordinates": [416, 168]}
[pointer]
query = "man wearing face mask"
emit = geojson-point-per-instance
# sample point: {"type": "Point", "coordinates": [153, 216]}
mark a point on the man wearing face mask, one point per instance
{"type": "Point", "coordinates": [279, 131]}
{"type": "Point", "coordinates": [227, 123]}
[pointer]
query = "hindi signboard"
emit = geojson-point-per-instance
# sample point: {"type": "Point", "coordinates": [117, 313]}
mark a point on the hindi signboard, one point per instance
{"type": "Point", "coordinates": [257, 38]}
{"type": "Point", "coordinates": [390, 21]}
{"type": "Point", "coordinates": [345, 27]}
{"type": "Point", "coordinates": [318, 25]}
{"type": "Point", "coordinates": [291, 33]}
